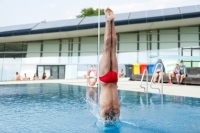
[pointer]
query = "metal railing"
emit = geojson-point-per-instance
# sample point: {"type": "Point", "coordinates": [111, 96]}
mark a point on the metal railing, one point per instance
{"type": "Point", "coordinates": [145, 90]}
{"type": "Point", "coordinates": [160, 91]}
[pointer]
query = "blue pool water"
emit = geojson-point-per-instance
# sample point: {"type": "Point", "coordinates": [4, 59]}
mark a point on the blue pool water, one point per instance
{"type": "Point", "coordinates": [57, 108]}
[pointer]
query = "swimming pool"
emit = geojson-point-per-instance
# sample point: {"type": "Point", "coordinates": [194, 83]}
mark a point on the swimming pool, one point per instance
{"type": "Point", "coordinates": [66, 108]}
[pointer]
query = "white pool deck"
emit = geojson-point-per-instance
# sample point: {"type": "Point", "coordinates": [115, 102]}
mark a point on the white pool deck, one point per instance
{"type": "Point", "coordinates": [125, 84]}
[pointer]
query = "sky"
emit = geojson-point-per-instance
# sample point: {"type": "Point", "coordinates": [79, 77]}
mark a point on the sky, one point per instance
{"type": "Point", "coordinates": [15, 12]}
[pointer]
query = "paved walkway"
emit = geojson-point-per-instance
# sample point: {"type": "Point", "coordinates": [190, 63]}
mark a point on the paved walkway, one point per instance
{"type": "Point", "coordinates": [124, 84]}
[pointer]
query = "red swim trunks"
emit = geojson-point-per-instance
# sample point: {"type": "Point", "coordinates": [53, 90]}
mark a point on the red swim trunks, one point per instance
{"type": "Point", "coordinates": [110, 77]}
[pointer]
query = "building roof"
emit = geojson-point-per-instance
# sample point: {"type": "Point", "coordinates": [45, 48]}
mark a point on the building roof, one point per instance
{"type": "Point", "coordinates": [140, 17]}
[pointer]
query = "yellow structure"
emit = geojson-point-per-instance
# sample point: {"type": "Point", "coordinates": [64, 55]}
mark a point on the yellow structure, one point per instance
{"type": "Point", "coordinates": [136, 69]}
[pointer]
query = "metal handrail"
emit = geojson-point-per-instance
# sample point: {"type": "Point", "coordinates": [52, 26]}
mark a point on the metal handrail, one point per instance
{"type": "Point", "coordinates": [146, 80]}
{"type": "Point", "coordinates": [162, 78]}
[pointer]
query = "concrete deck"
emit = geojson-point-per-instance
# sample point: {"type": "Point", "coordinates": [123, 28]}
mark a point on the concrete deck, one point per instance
{"type": "Point", "coordinates": [124, 84]}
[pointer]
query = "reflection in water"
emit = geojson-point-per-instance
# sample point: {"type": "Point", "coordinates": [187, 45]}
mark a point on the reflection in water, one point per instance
{"type": "Point", "coordinates": [91, 94]}
{"type": "Point", "coordinates": [67, 108]}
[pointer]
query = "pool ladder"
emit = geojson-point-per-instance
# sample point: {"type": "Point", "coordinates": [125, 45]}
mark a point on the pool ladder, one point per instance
{"type": "Point", "coordinates": [146, 90]}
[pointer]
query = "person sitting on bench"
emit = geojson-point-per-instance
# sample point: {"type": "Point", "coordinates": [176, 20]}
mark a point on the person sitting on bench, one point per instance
{"type": "Point", "coordinates": [183, 73]}
{"type": "Point", "coordinates": [175, 72]}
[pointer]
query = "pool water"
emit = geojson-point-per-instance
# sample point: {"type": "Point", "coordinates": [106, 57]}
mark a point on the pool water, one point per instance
{"type": "Point", "coordinates": [59, 108]}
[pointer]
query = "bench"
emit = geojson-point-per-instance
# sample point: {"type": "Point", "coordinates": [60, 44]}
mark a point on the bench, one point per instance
{"type": "Point", "coordinates": [193, 77]}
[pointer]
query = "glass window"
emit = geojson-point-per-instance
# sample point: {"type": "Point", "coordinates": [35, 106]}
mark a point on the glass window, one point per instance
{"type": "Point", "coordinates": [1, 71]}
{"type": "Point", "coordinates": [143, 54]}
{"type": "Point", "coordinates": [189, 36]}
{"type": "Point", "coordinates": [51, 46]}
{"type": "Point", "coordinates": [128, 42]}
{"type": "Point", "coordinates": [13, 58]}
{"type": "Point", "coordinates": [71, 72]}
{"type": "Point", "coordinates": [101, 44]}
{"type": "Point", "coordinates": [1, 58]}
{"type": "Point", "coordinates": [75, 47]}
{"type": "Point", "coordinates": [29, 70]}
{"type": "Point", "coordinates": [82, 71]}
{"type": "Point", "coordinates": [50, 51]}
{"type": "Point", "coordinates": [40, 71]}
{"type": "Point", "coordinates": [127, 57]}
{"type": "Point", "coordinates": [31, 58]}
{"type": "Point", "coordinates": [33, 53]}
{"type": "Point", "coordinates": [9, 72]}
{"type": "Point", "coordinates": [88, 58]}
{"type": "Point", "coordinates": [13, 47]}
{"type": "Point", "coordinates": [154, 45]}
{"type": "Point", "coordinates": [2, 47]}
{"type": "Point", "coordinates": [47, 70]}
{"type": "Point", "coordinates": [154, 40]}
{"type": "Point", "coordinates": [169, 39]}
{"type": "Point", "coordinates": [64, 58]}
{"type": "Point", "coordinates": [34, 47]}
{"type": "Point", "coordinates": [24, 47]}
{"type": "Point", "coordinates": [74, 58]}
{"type": "Point", "coordinates": [65, 45]}
{"type": "Point", "coordinates": [188, 9]}
{"type": "Point", "coordinates": [49, 59]}
{"type": "Point", "coordinates": [89, 44]}
{"type": "Point", "coordinates": [196, 52]}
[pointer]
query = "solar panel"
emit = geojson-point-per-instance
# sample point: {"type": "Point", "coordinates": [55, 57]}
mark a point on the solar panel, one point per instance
{"type": "Point", "coordinates": [123, 16]}
{"type": "Point", "coordinates": [198, 6]}
{"type": "Point", "coordinates": [73, 22]}
{"type": "Point", "coordinates": [136, 15]}
{"type": "Point", "coordinates": [58, 24]}
{"type": "Point", "coordinates": [43, 25]}
{"type": "Point", "coordinates": [188, 9]}
{"type": "Point", "coordinates": [154, 13]}
{"type": "Point", "coordinates": [171, 11]}
{"type": "Point", "coordinates": [89, 20]}
{"type": "Point", "coordinates": [17, 27]}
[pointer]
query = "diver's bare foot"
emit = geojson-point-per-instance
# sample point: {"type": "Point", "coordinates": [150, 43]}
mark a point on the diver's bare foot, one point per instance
{"type": "Point", "coordinates": [107, 14]}
{"type": "Point", "coordinates": [111, 14]}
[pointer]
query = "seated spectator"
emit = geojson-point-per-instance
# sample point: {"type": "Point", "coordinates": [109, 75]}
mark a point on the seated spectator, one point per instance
{"type": "Point", "coordinates": [25, 77]}
{"type": "Point", "coordinates": [44, 76]}
{"type": "Point", "coordinates": [157, 71]}
{"type": "Point", "coordinates": [85, 77]}
{"type": "Point", "coordinates": [183, 72]}
{"type": "Point", "coordinates": [175, 72]}
{"type": "Point", "coordinates": [121, 73]}
{"type": "Point", "coordinates": [17, 77]}
{"type": "Point", "coordinates": [35, 77]}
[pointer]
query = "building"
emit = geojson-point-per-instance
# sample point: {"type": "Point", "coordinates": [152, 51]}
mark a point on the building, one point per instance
{"type": "Point", "coordinates": [66, 49]}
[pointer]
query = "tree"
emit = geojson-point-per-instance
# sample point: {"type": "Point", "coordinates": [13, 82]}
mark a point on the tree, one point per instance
{"type": "Point", "coordinates": [90, 12]}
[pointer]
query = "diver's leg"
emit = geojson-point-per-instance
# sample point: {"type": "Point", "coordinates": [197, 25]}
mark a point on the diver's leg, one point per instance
{"type": "Point", "coordinates": [105, 66]}
{"type": "Point", "coordinates": [114, 67]}
{"type": "Point", "coordinates": [114, 62]}
{"type": "Point", "coordinates": [105, 62]}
